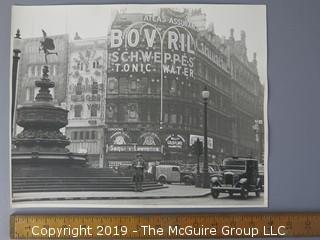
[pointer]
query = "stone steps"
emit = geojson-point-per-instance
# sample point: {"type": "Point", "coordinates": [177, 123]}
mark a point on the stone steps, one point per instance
{"type": "Point", "coordinates": [59, 179]}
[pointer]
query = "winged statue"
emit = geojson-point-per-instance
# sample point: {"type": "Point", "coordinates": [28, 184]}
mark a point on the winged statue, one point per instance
{"type": "Point", "coordinates": [47, 46]}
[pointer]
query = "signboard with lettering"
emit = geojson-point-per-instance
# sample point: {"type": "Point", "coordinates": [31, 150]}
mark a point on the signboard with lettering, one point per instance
{"type": "Point", "coordinates": [193, 138]}
{"type": "Point", "coordinates": [144, 46]}
{"type": "Point", "coordinates": [175, 141]}
{"type": "Point", "coordinates": [132, 148]}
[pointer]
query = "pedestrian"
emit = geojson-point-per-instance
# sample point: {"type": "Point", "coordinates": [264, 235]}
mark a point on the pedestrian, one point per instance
{"type": "Point", "coordinates": [138, 167]}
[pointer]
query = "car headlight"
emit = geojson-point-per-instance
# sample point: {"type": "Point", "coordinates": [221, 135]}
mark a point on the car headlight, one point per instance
{"type": "Point", "coordinates": [214, 179]}
{"type": "Point", "coordinates": [242, 180]}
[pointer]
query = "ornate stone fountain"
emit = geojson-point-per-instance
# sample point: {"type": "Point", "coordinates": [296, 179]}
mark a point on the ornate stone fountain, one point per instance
{"type": "Point", "coordinates": [41, 144]}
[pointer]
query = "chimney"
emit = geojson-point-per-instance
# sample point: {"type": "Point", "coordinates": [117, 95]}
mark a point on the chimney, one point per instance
{"type": "Point", "coordinates": [231, 37]}
{"type": "Point", "coordinates": [76, 36]}
{"type": "Point", "coordinates": [243, 36]}
{"type": "Point", "coordinates": [254, 61]}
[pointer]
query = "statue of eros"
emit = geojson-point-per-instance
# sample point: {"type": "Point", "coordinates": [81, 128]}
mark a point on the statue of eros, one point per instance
{"type": "Point", "coordinates": [47, 46]}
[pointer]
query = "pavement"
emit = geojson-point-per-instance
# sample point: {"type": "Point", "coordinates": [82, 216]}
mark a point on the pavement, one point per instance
{"type": "Point", "coordinates": [172, 191]}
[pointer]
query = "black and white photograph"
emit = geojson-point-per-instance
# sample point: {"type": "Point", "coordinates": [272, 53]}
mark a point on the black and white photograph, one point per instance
{"type": "Point", "coordinates": [139, 106]}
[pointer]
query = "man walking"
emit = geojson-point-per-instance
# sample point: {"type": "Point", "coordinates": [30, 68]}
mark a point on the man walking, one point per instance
{"type": "Point", "coordinates": [138, 166]}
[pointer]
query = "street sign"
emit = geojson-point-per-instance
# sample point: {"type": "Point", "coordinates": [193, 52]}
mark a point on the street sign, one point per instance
{"type": "Point", "coordinates": [194, 138]}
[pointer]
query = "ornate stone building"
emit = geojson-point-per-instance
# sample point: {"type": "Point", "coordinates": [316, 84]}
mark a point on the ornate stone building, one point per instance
{"type": "Point", "coordinates": [164, 123]}
{"type": "Point", "coordinates": [247, 98]}
{"type": "Point", "coordinates": [86, 96]}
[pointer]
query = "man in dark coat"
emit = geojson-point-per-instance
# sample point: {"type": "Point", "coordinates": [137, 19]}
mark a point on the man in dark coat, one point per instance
{"type": "Point", "coordinates": [138, 166]}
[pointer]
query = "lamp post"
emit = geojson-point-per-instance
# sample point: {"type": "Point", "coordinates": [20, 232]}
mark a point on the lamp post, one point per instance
{"type": "Point", "coordinates": [205, 96]}
{"type": "Point", "coordinates": [15, 61]}
{"type": "Point", "coordinates": [257, 130]}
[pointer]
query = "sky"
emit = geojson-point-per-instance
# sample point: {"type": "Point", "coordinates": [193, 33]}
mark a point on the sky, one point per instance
{"type": "Point", "coordinates": [92, 21]}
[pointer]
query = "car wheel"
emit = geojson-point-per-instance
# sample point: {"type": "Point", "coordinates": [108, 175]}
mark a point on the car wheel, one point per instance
{"type": "Point", "coordinates": [187, 181]}
{"type": "Point", "coordinates": [244, 193]}
{"type": "Point", "coordinates": [214, 193]}
{"type": "Point", "coordinates": [162, 180]}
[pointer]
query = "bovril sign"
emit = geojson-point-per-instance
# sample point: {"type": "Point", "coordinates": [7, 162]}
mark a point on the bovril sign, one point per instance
{"type": "Point", "coordinates": [175, 141]}
{"type": "Point", "coordinates": [143, 49]}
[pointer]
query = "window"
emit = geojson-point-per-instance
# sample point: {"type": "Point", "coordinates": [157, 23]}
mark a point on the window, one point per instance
{"type": "Point", "coordinates": [29, 71]}
{"type": "Point", "coordinates": [74, 135]}
{"type": "Point", "coordinates": [28, 94]}
{"type": "Point", "coordinates": [175, 169]}
{"type": "Point", "coordinates": [112, 85]}
{"type": "Point", "coordinates": [35, 71]}
{"type": "Point", "coordinates": [173, 118]}
{"type": "Point", "coordinates": [93, 134]}
{"type": "Point", "coordinates": [77, 110]}
{"type": "Point", "coordinates": [94, 88]}
{"type": "Point", "coordinates": [87, 135]}
{"type": "Point", "coordinates": [79, 89]}
{"type": "Point", "coordinates": [133, 85]}
{"type": "Point", "coordinates": [95, 64]}
{"type": "Point", "coordinates": [81, 135]}
{"type": "Point", "coordinates": [94, 110]}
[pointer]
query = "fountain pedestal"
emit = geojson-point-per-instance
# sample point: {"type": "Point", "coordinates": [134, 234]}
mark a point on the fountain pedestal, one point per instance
{"type": "Point", "coordinates": [41, 144]}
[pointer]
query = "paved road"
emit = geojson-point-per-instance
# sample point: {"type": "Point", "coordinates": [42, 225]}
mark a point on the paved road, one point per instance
{"type": "Point", "coordinates": [222, 201]}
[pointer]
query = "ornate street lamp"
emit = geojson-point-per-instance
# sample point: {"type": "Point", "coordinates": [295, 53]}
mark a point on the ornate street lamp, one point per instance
{"type": "Point", "coordinates": [15, 61]}
{"type": "Point", "coordinates": [205, 96]}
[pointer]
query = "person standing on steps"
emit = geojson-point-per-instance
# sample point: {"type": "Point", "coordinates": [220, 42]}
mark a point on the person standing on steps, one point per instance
{"type": "Point", "coordinates": [138, 166]}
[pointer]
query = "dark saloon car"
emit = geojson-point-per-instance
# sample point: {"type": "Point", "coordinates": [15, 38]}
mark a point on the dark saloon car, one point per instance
{"type": "Point", "coordinates": [239, 175]}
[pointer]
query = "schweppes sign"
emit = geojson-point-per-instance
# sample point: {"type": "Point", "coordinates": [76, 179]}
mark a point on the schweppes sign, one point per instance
{"type": "Point", "coordinates": [142, 47]}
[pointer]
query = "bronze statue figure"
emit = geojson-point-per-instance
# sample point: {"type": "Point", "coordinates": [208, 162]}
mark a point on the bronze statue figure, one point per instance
{"type": "Point", "coordinates": [46, 45]}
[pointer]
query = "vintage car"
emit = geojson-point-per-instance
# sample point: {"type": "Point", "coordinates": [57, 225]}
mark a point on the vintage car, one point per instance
{"type": "Point", "coordinates": [261, 175]}
{"type": "Point", "coordinates": [188, 176]}
{"type": "Point", "coordinates": [239, 175]}
{"type": "Point", "coordinates": [168, 173]}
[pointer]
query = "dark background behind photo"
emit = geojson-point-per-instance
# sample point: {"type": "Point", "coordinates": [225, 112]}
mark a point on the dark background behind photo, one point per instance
{"type": "Point", "coordinates": [293, 112]}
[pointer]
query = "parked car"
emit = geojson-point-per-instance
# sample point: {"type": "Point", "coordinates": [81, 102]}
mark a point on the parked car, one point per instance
{"type": "Point", "coordinates": [239, 175]}
{"type": "Point", "coordinates": [261, 175]}
{"type": "Point", "coordinates": [168, 173]}
{"type": "Point", "coordinates": [188, 176]}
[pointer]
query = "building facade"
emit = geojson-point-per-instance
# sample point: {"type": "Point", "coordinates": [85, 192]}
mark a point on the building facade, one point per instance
{"type": "Point", "coordinates": [161, 113]}
{"type": "Point", "coordinates": [247, 98]}
{"type": "Point", "coordinates": [86, 97]}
